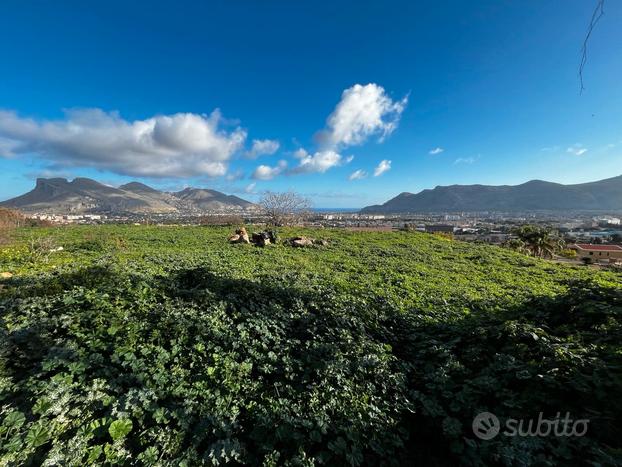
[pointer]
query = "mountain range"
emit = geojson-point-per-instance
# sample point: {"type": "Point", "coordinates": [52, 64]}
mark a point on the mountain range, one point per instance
{"type": "Point", "coordinates": [535, 195]}
{"type": "Point", "coordinates": [83, 195]}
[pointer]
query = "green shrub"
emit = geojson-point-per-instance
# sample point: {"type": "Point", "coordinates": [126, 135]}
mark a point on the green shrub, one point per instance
{"type": "Point", "coordinates": [182, 350]}
{"type": "Point", "coordinates": [568, 253]}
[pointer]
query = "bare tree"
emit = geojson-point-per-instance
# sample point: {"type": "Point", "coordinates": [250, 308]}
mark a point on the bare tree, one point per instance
{"type": "Point", "coordinates": [286, 208]}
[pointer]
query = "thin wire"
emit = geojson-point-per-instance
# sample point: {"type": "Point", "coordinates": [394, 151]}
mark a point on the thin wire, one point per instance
{"type": "Point", "coordinates": [598, 13]}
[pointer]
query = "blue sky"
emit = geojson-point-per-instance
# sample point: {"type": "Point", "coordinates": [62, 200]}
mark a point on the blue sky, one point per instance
{"type": "Point", "coordinates": [333, 93]}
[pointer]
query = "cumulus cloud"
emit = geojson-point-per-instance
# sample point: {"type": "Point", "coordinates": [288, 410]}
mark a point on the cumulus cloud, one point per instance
{"type": "Point", "coordinates": [320, 162]}
{"type": "Point", "coordinates": [363, 111]}
{"type": "Point", "coordinates": [436, 151]}
{"type": "Point", "coordinates": [178, 145]}
{"type": "Point", "coordinates": [265, 172]}
{"type": "Point", "coordinates": [357, 175]}
{"type": "Point", "coordinates": [577, 149]}
{"type": "Point", "coordinates": [263, 147]}
{"type": "Point", "coordinates": [384, 166]}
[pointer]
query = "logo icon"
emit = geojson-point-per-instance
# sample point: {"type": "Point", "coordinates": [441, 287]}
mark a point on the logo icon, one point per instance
{"type": "Point", "coordinates": [486, 425]}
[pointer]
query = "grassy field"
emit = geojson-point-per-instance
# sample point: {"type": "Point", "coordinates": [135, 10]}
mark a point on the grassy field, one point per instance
{"type": "Point", "coordinates": [169, 346]}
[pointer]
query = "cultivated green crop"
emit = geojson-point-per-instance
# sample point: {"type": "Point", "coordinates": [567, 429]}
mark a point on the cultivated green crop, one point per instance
{"type": "Point", "coordinates": [169, 346]}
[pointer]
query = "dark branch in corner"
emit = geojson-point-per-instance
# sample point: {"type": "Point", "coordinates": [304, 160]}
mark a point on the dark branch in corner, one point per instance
{"type": "Point", "coordinates": [598, 13]}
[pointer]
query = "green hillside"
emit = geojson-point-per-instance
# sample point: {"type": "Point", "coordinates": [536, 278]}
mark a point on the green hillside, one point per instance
{"type": "Point", "coordinates": [169, 346]}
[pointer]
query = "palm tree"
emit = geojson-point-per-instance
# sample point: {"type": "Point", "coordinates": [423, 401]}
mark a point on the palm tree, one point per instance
{"type": "Point", "coordinates": [539, 241]}
{"type": "Point", "coordinates": [517, 245]}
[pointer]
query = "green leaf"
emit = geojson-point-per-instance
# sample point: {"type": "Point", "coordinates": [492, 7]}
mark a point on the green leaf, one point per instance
{"type": "Point", "coordinates": [41, 406]}
{"type": "Point", "coordinates": [38, 435]}
{"type": "Point", "coordinates": [149, 456]}
{"type": "Point", "coordinates": [14, 420]}
{"type": "Point", "coordinates": [96, 451]}
{"type": "Point", "coordinates": [120, 428]}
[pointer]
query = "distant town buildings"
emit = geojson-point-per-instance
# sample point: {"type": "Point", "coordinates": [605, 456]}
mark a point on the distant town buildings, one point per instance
{"type": "Point", "coordinates": [69, 218]}
{"type": "Point", "coordinates": [598, 253]}
{"type": "Point", "coordinates": [440, 228]}
{"type": "Point", "coordinates": [608, 220]}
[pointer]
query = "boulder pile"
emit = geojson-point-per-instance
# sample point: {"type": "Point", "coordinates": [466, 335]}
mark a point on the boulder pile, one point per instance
{"type": "Point", "coordinates": [268, 237]}
{"type": "Point", "coordinates": [257, 238]}
{"type": "Point", "coordinates": [264, 238]}
{"type": "Point", "coordinates": [301, 242]}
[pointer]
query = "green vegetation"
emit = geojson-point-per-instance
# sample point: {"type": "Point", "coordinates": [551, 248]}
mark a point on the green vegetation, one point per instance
{"type": "Point", "coordinates": [536, 241]}
{"type": "Point", "coordinates": [169, 346]}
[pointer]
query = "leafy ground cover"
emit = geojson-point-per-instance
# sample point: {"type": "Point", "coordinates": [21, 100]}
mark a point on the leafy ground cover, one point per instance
{"type": "Point", "coordinates": [168, 346]}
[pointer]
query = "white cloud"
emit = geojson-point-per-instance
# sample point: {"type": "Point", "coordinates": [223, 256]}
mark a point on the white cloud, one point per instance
{"type": "Point", "coordinates": [7, 147]}
{"type": "Point", "coordinates": [263, 147]}
{"type": "Point", "coordinates": [362, 112]}
{"type": "Point", "coordinates": [357, 175]}
{"type": "Point", "coordinates": [320, 162]}
{"type": "Point", "coordinates": [265, 172]}
{"type": "Point", "coordinates": [300, 153]}
{"type": "Point", "coordinates": [235, 176]}
{"type": "Point", "coordinates": [436, 151]}
{"type": "Point", "coordinates": [577, 149]}
{"type": "Point", "coordinates": [250, 188]}
{"type": "Point", "coordinates": [178, 145]}
{"type": "Point", "coordinates": [384, 166]}
{"type": "Point", "coordinates": [465, 160]}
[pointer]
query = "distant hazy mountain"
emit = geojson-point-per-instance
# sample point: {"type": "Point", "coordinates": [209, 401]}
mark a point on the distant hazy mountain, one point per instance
{"type": "Point", "coordinates": [530, 196]}
{"type": "Point", "coordinates": [60, 196]}
{"type": "Point", "coordinates": [209, 199]}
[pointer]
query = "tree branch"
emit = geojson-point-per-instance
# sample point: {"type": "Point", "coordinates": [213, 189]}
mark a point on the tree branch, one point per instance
{"type": "Point", "coordinates": [597, 14]}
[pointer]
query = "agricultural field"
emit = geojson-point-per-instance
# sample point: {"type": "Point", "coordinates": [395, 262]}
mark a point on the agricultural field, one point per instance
{"type": "Point", "coordinates": [140, 345]}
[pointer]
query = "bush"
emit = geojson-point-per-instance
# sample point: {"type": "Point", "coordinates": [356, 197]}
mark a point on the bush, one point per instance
{"type": "Point", "coordinates": [100, 241]}
{"type": "Point", "coordinates": [379, 350]}
{"type": "Point", "coordinates": [11, 218]}
{"type": "Point", "coordinates": [40, 248]}
{"type": "Point", "coordinates": [187, 372]}
{"type": "Point", "coordinates": [568, 253]}
{"type": "Point", "coordinates": [227, 220]}
{"type": "Point", "coordinates": [104, 365]}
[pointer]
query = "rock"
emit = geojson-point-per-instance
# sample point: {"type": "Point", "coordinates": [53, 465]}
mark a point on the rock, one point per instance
{"type": "Point", "coordinates": [261, 238]}
{"type": "Point", "coordinates": [272, 235]}
{"type": "Point", "coordinates": [240, 236]}
{"type": "Point", "coordinates": [264, 242]}
{"type": "Point", "coordinates": [5, 275]}
{"type": "Point", "coordinates": [300, 242]}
